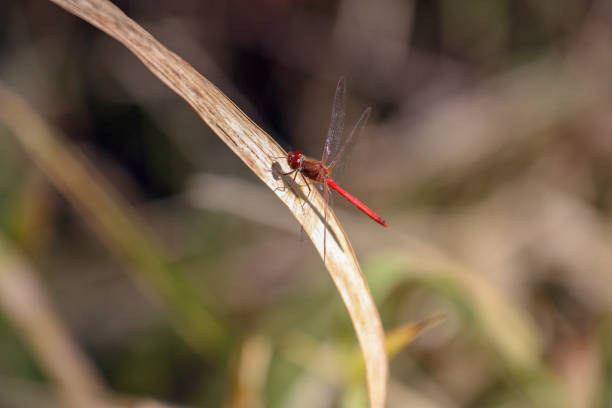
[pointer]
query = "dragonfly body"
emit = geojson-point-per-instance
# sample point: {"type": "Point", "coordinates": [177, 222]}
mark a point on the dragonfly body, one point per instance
{"type": "Point", "coordinates": [312, 169]}
{"type": "Point", "coordinates": [319, 173]}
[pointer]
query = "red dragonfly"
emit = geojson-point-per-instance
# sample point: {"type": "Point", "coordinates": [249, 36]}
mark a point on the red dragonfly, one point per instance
{"type": "Point", "coordinates": [319, 172]}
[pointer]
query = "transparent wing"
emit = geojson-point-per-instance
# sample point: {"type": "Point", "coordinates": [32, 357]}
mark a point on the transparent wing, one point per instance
{"type": "Point", "coordinates": [336, 125]}
{"type": "Point", "coordinates": [350, 140]}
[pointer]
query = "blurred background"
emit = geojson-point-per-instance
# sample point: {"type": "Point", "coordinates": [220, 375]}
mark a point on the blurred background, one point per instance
{"type": "Point", "coordinates": [171, 275]}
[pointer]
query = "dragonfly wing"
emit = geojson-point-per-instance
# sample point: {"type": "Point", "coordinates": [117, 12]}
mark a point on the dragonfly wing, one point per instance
{"type": "Point", "coordinates": [352, 137]}
{"type": "Point", "coordinates": [336, 124]}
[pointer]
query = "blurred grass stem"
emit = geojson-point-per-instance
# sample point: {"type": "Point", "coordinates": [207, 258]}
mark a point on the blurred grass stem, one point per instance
{"type": "Point", "coordinates": [114, 222]}
{"type": "Point", "coordinates": [253, 146]}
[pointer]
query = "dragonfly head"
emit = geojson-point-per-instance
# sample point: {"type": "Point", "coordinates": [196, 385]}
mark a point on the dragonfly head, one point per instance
{"type": "Point", "coordinates": [295, 159]}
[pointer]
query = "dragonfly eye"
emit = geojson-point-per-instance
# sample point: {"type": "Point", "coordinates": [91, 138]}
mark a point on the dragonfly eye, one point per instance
{"type": "Point", "coordinates": [295, 159]}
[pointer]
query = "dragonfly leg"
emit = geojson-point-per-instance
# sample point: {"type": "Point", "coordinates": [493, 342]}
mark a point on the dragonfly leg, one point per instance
{"type": "Point", "coordinates": [309, 191]}
{"type": "Point", "coordinates": [293, 183]}
{"type": "Point", "coordinates": [282, 188]}
{"type": "Point", "coordinates": [307, 185]}
{"type": "Point", "coordinates": [287, 173]}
